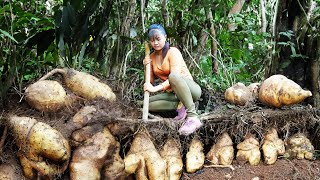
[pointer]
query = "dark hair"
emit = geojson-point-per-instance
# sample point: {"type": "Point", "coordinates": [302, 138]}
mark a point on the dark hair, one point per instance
{"type": "Point", "coordinates": [162, 31]}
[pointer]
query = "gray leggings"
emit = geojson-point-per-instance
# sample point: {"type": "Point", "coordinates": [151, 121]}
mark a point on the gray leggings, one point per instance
{"type": "Point", "coordinates": [185, 90]}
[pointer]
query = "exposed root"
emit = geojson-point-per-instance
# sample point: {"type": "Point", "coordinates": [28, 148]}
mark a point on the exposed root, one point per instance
{"type": "Point", "coordinates": [51, 73]}
{"type": "Point", "coordinates": [3, 138]}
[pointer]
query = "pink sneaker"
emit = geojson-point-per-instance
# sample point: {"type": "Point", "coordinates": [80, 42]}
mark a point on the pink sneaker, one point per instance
{"type": "Point", "coordinates": [190, 126]}
{"type": "Point", "coordinates": [182, 113]}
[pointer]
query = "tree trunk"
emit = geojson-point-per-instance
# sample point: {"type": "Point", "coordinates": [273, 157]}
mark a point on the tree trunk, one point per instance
{"type": "Point", "coordinates": [103, 42]}
{"type": "Point", "coordinates": [263, 16]}
{"type": "Point", "coordinates": [296, 45]}
{"type": "Point", "coordinates": [214, 46]}
{"type": "Point", "coordinates": [165, 13]}
{"type": "Point", "coordinates": [120, 51]}
{"type": "Point", "coordinates": [235, 10]}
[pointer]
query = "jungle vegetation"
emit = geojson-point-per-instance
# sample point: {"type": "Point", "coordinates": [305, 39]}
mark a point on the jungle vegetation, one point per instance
{"type": "Point", "coordinates": [222, 41]}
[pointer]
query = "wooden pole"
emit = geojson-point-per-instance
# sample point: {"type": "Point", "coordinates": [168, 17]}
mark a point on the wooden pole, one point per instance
{"type": "Point", "coordinates": [147, 79]}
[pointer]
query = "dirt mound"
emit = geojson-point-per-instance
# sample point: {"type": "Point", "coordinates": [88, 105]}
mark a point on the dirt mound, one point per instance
{"type": "Point", "coordinates": [124, 121]}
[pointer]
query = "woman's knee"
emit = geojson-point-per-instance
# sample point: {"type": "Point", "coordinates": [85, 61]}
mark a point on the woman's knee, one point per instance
{"type": "Point", "coordinates": [197, 93]}
{"type": "Point", "coordinates": [173, 76]}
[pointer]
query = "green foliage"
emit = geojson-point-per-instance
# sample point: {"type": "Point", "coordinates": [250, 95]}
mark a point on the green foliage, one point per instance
{"type": "Point", "coordinates": [289, 35]}
{"type": "Point", "coordinates": [241, 53]}
{"type": "Point", "coordinates": [26, 33]}
{"type": "Point", "coordinates": [87, 35]}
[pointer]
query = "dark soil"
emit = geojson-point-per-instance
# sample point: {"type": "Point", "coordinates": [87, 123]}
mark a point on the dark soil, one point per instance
{"type": "Point", "coordinates": [282, 169]}
{"type": "Point", "coordinates": [124, 120]}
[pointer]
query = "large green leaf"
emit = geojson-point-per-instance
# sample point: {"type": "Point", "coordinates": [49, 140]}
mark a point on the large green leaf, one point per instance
{"type": "Point", "coordinates": [5, 33]}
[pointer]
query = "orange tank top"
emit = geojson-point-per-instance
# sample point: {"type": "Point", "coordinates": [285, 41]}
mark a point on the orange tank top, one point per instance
{"type": "Point", "coordinates": [173, 62]}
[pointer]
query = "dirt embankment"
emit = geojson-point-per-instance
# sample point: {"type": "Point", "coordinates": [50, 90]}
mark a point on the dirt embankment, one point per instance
{"type": "Point", "coordinates": [124, 122]}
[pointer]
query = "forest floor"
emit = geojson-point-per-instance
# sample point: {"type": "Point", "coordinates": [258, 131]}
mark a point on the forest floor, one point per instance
{"type": "Point", "coordinates": [237, 121]}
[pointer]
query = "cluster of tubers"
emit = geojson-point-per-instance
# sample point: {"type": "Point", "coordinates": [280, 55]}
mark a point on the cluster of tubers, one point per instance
{"type": "Point", "coordinates": [50, 96]}
{"type": "Point", "coordinates": [45, 153]}
{"type": "Point", "coordinates": [43, 150]}
{"type": "Point", "coordinates": [276, 91]}
{"type": "Point", "coordinates": [96, 154]}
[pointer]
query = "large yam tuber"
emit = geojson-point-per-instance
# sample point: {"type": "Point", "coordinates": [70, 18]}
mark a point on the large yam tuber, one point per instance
{"type": "Point", "coordinates": [299, 146]}
{"type": "Point", "coordinates": [84, 84]}
{"type": "Point", "coordinates": [47, 96]}
{"type": "Point", "coordinates": [279, 91]}
{"type": "Point", "coordinates": [172, 155]}
{"type": "Point", "coordinates": [39, 142]}
{"type": "Point", "coordinates": [144, 160]}
{"type": "Point", "coordinates": [195, 156]}
{"type": "Point", "coordinates": [238, 94]}
{"type": "Point", "coordinates": [89, 159]}
{"type": "Point", "coordinates": [222, 152]}
{"type": "Point", "coordinates": [248, 150]}
{"type": "Point", "coordinates": [272, 146]}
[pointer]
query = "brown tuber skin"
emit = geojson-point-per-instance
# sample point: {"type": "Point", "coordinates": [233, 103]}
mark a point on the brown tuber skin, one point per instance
{"type": "Point", "coordinates": [238, 94]}
{"type": "Point", "coordinates": [144, 160]}
{"type": "Point", "coordinates": [222, 152]}
{"type": "Point", "coordinates": [82, 118]}
{"type": "Point", "coordinates": [98, 151]}
{"type": "Point", "coordinates": [299, 146]}
{"type": "Point", "coordinates": [278, 91]}
{"type": "Point", "coordinates": [84, 84]}
{"type": "Point", "coordinates": [81, 135]}
{"type": "Point", "coordinates": [39, 142]}
{"type": "Point", "coordinates": [272, 146]}
{"type": "Point", "coordinates": [7, 172]}
{"type": "Point", "coordinates": [248, 150]}
{"type": "Point", "coordinates": [172, 155]}
{"type": "Point", "coordinates": [47, 96]}
{"type": "Point", "coordinates": [195, 156]}
{"type": "Point", "coordinates": [114, 166]}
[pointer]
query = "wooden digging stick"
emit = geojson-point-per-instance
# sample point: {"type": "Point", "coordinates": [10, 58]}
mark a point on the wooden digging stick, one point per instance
{"type": "Point", "coordinates": [147, 79]}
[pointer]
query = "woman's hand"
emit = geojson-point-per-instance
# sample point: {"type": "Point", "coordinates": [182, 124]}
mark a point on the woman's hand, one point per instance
{"type": "Point", "coordinates": [146, 60]}
{"type": "Point", "coordinates": [150, 88]}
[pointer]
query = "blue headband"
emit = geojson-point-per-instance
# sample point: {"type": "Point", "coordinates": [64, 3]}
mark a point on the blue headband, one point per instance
{"type": "Point", "coordinates": [157, 27]}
